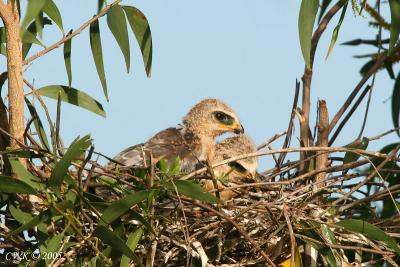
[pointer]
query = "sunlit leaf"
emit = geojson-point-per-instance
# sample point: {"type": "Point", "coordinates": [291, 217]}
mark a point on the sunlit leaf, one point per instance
{"type": "Point", "coordinates": [97, 52]}
{"type": "Point", "coordinates": [141, 29]}
{"type": "Point", "coordinates": [336, 30]}
{"type": "Point", "coordinates": [116, 21]}
{"type": "Point", "coordinates": [19, 215]}
{"type": "Point", "coordinates": [308, 12]}
{"type": "Point", "coordinates": [32, 28]}
{"type": "Point", "coordinates": [41, 217]}
{"type": "Point", "coordinates": [369, 230]}
{"type": "Point", "coordinates": [14, 185]}
{"type": "Point", "coordinates": [61, 167]}
{"type": "Point", "coordinates": [116, 243]}
{"type": "Point", "coordinates": [119, 207]}
{"type": "Point", "coordinates": [24, 175]}
{"type": "Point", "coordinates": [394, 23]}
{"type": "Point", "coordinates": [192, 190]}
{"type": "Point", "coordinates": [396, 103]}
{"type": "Point", "coordinates": [51, 9]}
{"type": "Point", "coordinates": [67, 58]}
{"type": "Point", "coordinates": [133, 240]}
{"type": "Point", "coordinates": [32, 11]}
{"type": "Point", "coordinates": [72, 96]}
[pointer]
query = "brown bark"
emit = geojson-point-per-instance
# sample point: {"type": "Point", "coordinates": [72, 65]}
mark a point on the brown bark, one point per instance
{"type": "Point", "coordinates": [10, 17]}
{"type": "Point", "coordinates": [322, 160]}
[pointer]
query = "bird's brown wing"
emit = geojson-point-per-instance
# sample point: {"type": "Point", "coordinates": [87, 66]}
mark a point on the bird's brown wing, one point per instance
{"type": "Point", "coordinates": [168, 145]}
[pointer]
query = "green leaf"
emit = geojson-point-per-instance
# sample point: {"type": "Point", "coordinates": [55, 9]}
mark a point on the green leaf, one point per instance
{"type": "Point", "coordinates": [51, 9]}
{"type": "Point", "coordinates": [369, 230]}
{"type": "Point", "coordinates": [396, 103]}
{"type": "Point", "coordinates": [116, 243]}
{"type": "Point", "coordinates": [324, 6]}
{"type": "Point", "coordinates": [358, 144]}
{"type": "Point", "coordinates": [192, 190]}
{"type": "Point", "coordinates": [14, 185]}
{"type": "Point", "coordinates": [119, 207]}
{"type": "Point", "coordinates": [141, 29]}
{"type": "Point", "coordinates": [38, 125]}
{"type": "Point", "coordinates": [336, 30]}
{"type": "Point", "coordinates": [67, 58]}
{"type": "Point", "coordinates": [100, 4]}
{"type": "Point", "coordinates": [308, 12]}
{"type": "Point", "coordinates": [61, 167]}
{"type": "Point", "coordinates": [32, 11]}
{"type": "Point", "coordinates": [3, 50]}
{"type": "Point", "coordinates": [30, 38]}
{"type": "Point", "coordinates": [33, 28]}
{"type": "Point", "coordinates": [133, 240]}
{"type": "Point", "coordinates": [41, 217]}
{"type": "Point", "coordinates": [24, 175]}
{"type": "Point", "coordinates": [19, 215]}
{"type": "Point", "coordinates": [117, 23]}
{"type": "Point", "coordinates": [72, 96]}
{"type": "Point", "coordinates": [54, 243]}
{"type": "Point", "coordinates": [394, 23]}
{"type": "Point", "coordinates": [97, 52]}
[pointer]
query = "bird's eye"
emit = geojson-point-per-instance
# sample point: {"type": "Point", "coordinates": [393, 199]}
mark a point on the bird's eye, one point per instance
{"type": "Point", "coordinates": [238, 167]}
{"type": "Point", "coordinates": [223, 118]}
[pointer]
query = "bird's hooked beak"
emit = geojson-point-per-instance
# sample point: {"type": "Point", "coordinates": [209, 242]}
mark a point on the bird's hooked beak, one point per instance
{"type": "Point", "coordinates": [238, 128]}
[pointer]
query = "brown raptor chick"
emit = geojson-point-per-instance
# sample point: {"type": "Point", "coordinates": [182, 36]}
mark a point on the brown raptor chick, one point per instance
{"type": "Point", "coordinates": [236, 172]}
{"type": "Point", "coordinates": [192, 142]}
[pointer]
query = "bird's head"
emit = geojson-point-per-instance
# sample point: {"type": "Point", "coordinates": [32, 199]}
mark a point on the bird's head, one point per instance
{"type": "Point", "coordinates": [213, 118]}
{"type": "Point", "coordinates": [233, 147]}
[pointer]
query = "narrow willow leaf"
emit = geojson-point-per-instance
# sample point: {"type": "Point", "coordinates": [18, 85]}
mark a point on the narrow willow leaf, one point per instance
{"type": "Point", "coordinates": [32, 11]}
{"type": "Point", "coordinates": [119, 207]}
{"type": "Point", "coordinates": [369, 230]}
{"type": "Point", "coordinates": [116, 243]}
{"type": "Point", "coordinates": [41, 217]}
{"type": "Point", "coordinates": [324, 6]}
{"type": "Point", "coordinates": [389, 69]}
{"type": "Point", "coordinates": [67, 58]}
{"type": "Point", "coordinates": [28, 37]}
{"type": "Point", "coordinates": [26, 46]}
{"type": "Point", "coordinates": [394, 23]}
{"type": "Point", "coordinates": [39, 24]}
{"type": "Point", "coordinates": [100, 4]}
{"type": "Point", "coordinates": [117, 23]}
{"type": "Point", "coordinates": [192, 190]}
{"type": "Point", "coordinates": [72, 96]}
{"type": "Point", "coordinates": [19, 215]}
{"type": "Point", "coordinates": [38, 125]}
{"type": "Point", "coordinates": [396, 103]}
{"type": "Point", "coordinates": [61, 167]}
{"type": "Point", "coordinates": [97, 52]}
{"type": "Point", "coordinates": [359, 144]}
{"type": "Point", "coordinates": [308, 12]}
{"type": "Point", "coordinates": [336, 30]}
{"type": "Point", "coordinates": [24, 175]}
{"type": "Point", "coordinates": [51, 9]}
{"type": "Point", "coordinates": [141, 29]}
{"type": "Point", "coordinates": [133, 240]}
{"type": "Point", "coordinates": [14, 185]}
{"type": "Point", "coordinates": [3, 50]}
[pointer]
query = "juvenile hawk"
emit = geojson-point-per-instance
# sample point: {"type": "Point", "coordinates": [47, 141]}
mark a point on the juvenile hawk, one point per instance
{"type": "Point", "coordinates": [193, 141]}
{"type": "Point", "coordinates": [237, 172]}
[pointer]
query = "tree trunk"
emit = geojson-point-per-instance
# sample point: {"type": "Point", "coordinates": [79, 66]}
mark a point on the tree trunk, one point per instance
{"type": "Point", "coordinates": [10, 16]}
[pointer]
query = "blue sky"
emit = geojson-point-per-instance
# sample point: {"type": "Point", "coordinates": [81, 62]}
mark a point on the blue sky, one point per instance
{"type": "Point", "coordinates": [244, 52]}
